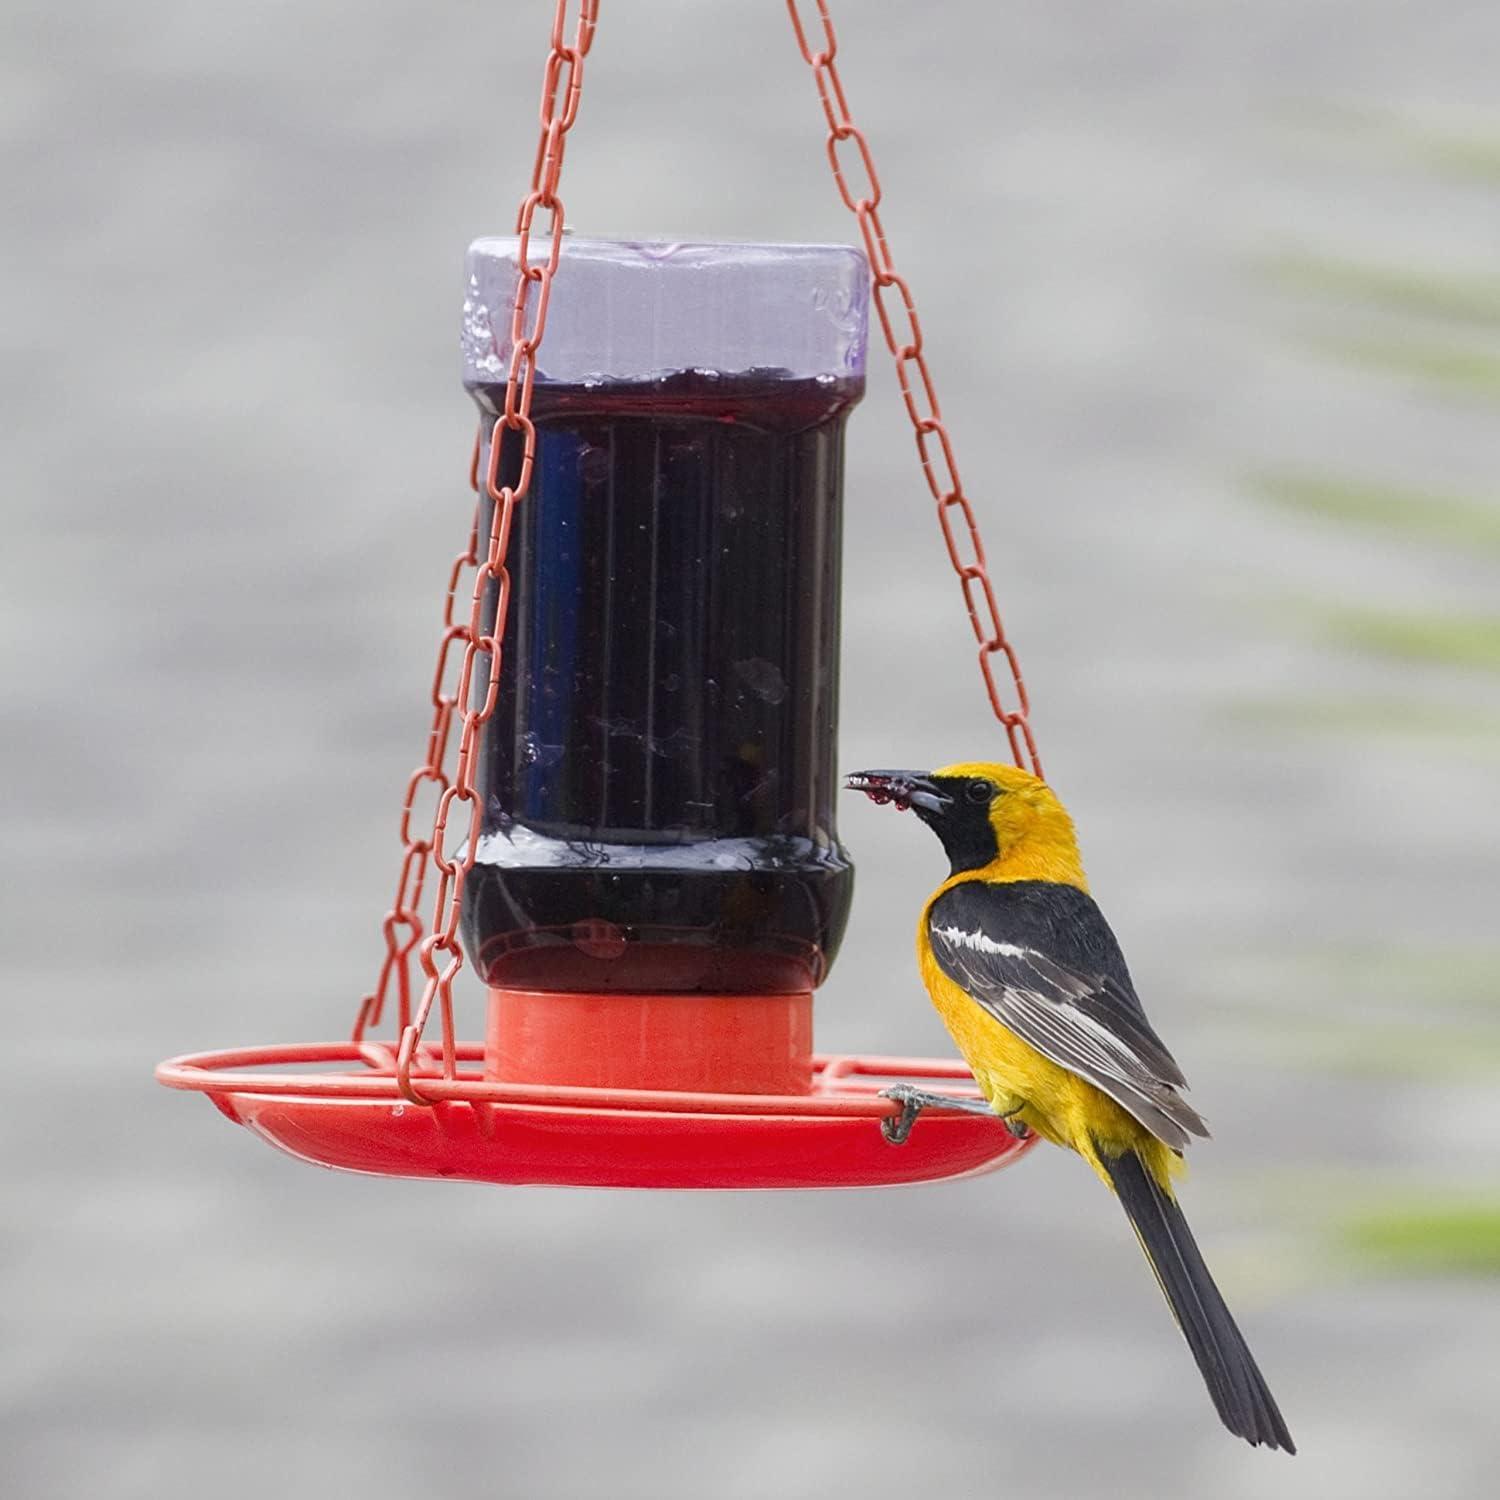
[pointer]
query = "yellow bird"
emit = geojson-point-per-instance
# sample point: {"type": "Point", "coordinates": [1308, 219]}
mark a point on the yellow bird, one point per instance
{"type": "Point", "coordinates": [1028, 977]}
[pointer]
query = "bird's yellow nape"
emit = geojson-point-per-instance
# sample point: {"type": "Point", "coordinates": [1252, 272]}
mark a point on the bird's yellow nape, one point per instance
{"type": "Point", "coordinates": [1033, 830]}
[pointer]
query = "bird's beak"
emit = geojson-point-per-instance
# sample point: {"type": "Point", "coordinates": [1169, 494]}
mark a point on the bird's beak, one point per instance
{"type": "Point", "coordinates": [904, 788]}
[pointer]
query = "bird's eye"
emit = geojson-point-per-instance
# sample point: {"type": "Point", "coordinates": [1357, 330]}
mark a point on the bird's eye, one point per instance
{"type": "Point", "coordinates": [979, 791]}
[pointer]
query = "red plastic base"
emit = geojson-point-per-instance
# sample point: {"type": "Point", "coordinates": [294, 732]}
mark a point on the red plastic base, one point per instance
{"type": "Point", "coordinates": [726, 1044]}
{"type": "Point", "coordinates": [482, 1131]}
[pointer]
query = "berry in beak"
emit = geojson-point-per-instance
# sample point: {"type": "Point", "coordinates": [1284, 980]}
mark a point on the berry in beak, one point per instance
{"type": "Point", "coordinates": [907, 789]}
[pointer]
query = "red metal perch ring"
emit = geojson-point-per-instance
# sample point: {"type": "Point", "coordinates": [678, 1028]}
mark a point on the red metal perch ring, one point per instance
{"type": "Point", "coordinates": [479, 1130]}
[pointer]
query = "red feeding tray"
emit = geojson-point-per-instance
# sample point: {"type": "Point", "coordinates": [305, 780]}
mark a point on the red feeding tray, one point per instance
{"type": "Point", "coordinates": [354, 1118]}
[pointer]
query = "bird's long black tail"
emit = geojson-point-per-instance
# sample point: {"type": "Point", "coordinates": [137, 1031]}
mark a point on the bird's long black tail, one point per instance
{"type": "Point", "coordinates": [1239, 1391]}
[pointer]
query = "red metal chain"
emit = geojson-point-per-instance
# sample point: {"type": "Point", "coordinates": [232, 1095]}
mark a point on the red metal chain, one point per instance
{"type": "Point", "coordinates": [849, 153]}
{"type": "Point", "coordinates": [454, 686]}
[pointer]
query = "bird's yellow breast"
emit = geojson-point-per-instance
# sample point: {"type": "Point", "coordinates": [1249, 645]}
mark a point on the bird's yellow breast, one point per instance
{"type": "Point", "coordinates": [1011, 1074]}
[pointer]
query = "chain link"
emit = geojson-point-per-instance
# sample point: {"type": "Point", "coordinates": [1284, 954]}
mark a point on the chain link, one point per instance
{"type": "Point", "coordinates": [858, 184]}
{"type": "Point", "coordinates": [449, 847]}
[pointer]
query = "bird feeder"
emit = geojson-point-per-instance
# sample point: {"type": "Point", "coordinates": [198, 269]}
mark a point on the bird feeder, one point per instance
{"type": "Point", "coordinates": [651, 885]}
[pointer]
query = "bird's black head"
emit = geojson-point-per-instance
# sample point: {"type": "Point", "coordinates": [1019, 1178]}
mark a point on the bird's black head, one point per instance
{"type": "Point", "coordinates": [956, 806]}
{"type": "Point", "coordinates": [984, 811]}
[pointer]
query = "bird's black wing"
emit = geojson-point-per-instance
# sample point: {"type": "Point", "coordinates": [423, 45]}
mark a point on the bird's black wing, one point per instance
{"type": "Point", "coordinates": [1041, 959]}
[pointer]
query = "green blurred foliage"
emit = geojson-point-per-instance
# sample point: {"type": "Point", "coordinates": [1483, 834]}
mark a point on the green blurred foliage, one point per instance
{"type": "Point", "coordinates": [1453, 369]}
{"type": "Point", "coordinates": [1472, 300]}
{"type": "Point", "coordinates": [1382, 318]}
{"type": "Point", "coordinates": [1475, 157]}
{"type": "Point", "coordinates": [1469, 641]}
{"type": "Point", "coordinates": [1448, 520]}
{"type": "Point", "coordinates": [1427, 1237]}
{"type": "Point", "coordinates": [1393, 1016]}
{"type": "Point", "coordinates": [1471, 156]}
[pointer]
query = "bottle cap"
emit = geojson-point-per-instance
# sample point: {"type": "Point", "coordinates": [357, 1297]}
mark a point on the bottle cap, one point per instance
{"type": "Point", "coordinates": [624, 310]}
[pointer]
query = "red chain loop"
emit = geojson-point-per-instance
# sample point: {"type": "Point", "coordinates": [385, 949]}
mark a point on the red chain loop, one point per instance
{"type": "Point", "coordinates": [452, 842]}
{"type": "Point", "coordinates": [903, 337]}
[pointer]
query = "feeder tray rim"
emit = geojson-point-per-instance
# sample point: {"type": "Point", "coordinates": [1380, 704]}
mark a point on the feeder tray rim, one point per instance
{"type": "Point", "coordinates": [843, 1084]}
{"type": "Point", "coordinates": [476, 1129]}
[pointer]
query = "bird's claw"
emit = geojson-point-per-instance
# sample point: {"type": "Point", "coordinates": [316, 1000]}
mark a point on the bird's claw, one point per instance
{"type": "Point", "coordinates": [897, 1128]}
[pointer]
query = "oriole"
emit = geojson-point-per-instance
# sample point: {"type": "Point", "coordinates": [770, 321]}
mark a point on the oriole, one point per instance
{"type": "Point", "coordinates": [1028, 978]}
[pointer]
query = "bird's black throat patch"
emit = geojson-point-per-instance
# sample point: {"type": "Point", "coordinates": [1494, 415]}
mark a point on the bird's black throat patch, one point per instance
{"type": "Point", "coordinates": [963, 826]}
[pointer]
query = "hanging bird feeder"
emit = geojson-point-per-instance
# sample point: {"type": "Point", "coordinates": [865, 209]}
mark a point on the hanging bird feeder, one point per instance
{"type": "Point", "coordinates": [632, 752]}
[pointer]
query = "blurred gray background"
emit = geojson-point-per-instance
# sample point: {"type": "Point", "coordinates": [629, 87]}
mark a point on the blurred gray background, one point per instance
{"type": "Point", "coordinates": [1211, 297]}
